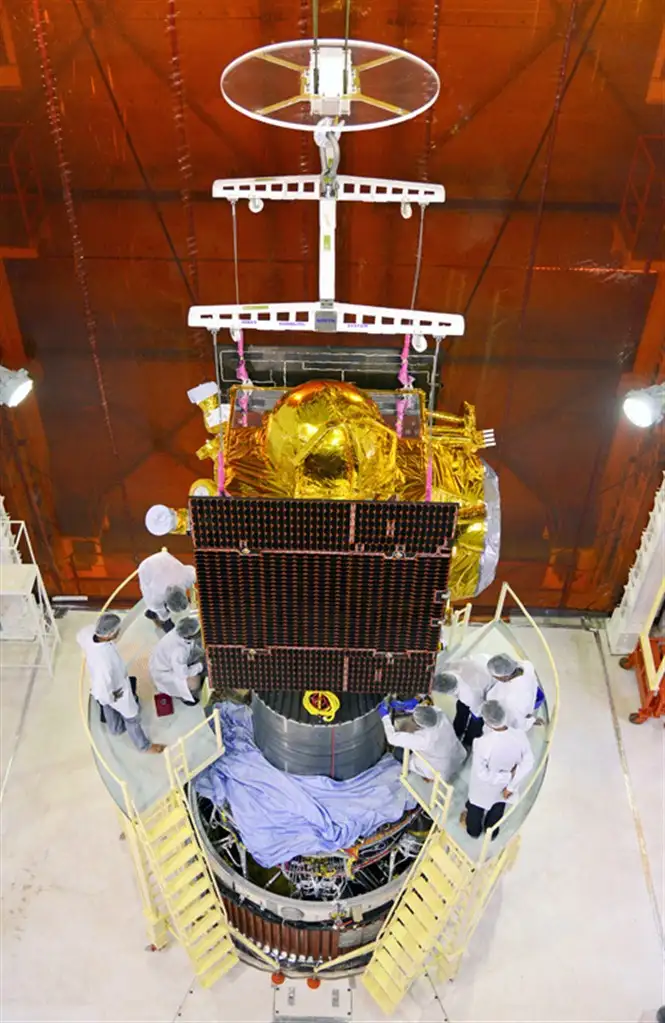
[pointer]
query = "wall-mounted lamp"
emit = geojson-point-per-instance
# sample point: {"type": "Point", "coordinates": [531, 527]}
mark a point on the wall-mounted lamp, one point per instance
{"type": "Point", "coordinates": [15, 385]}
{"type": "Point", "coordinates": [645, 406]}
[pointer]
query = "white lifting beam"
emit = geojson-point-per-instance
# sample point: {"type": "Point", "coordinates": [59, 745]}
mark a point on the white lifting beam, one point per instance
{"type": "Point", "coordinates": [302, 186]}
{"type": "Point", "coordinates": [325, 317]}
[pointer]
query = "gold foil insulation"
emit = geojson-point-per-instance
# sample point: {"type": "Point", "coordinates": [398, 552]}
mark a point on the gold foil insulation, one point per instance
{"type": "Point", "coordinates": [329, 440]}
{"type": "Point", "coordinates": [182, 524]}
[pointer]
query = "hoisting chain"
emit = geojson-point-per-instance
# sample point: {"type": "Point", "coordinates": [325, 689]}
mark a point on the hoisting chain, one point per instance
{"type": "Point", "coordinates": [182, 143]}
{"type": "Point", "coordinates": [55, 123]}
{"type": "Point", "coordinates": [184, 155]}
{"type": "Point", "coordinates": [53, 110]}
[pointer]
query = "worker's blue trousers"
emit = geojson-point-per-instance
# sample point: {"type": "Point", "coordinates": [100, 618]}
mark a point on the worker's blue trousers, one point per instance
{"type": "Point", "coordinates": [117, 724]}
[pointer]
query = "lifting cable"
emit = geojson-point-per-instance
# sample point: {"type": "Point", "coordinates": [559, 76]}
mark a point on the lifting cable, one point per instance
{"type": "Point", "coordinates": [80, 269]}
{"type": "Point", "coordinates": [345, 72]}
{"type": "Point", "coordinates": [403, 376]}
{"type": "Point", "coordinates": [315, 38]}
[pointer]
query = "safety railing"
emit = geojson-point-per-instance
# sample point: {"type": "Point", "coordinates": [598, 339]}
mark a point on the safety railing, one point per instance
{"type": "Point", "coordinates": [436, 796]}
{"type": "Point", "coordinates": [84, 706]}
{"type": "Point", "coordinates": [454, 631]}
{"type": "Point", "coordinates": [180, 766]}
{"type": "Point", "coordinates": [553, 709]}
{"type": "Point", "coordinates": [654, 673]}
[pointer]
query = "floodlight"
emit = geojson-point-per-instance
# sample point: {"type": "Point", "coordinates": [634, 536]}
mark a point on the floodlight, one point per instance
{"type": "Point", "coordinates": [645, 406]}
{"type": "Point", "coordinates": [15, 385]}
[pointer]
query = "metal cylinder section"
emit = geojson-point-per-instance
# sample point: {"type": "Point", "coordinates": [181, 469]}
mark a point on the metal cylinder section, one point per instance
{"type": "Point", "coordinates": [297, 742]}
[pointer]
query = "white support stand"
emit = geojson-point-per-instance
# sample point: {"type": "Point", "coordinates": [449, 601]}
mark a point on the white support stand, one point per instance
{"type": "Point", "coordinates": [634, 614]}
{"type": "Point", "coordinates": [327, 315]}
{"type": "Point", "coordinates": [327, 229]}
{"type": "Point", "coordinates": [27, 621]}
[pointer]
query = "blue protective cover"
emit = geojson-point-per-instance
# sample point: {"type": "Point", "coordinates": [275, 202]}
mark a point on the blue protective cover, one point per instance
{"type": "Point", "coordinates": [281, 816]}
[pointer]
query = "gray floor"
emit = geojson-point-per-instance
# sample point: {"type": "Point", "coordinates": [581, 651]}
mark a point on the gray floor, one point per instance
{"type": "Point", "coordinates": [574, 932]}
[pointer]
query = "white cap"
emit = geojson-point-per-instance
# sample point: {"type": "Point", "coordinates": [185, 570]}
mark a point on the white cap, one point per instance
{"type": "Point", "coordinates": [160, 520]}
{"type": "Point", "coordinates": [201, 392]}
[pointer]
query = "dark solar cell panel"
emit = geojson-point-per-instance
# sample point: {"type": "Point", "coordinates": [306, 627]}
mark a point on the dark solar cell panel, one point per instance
{"type": "Point", "coordinates": [321, 600]}
{"type": "Point", "coordinates": [321, 594]}
{"type": "Point", "coordinates": [255, 524]}
{"type": "Point", "coordinates": [336, 670]}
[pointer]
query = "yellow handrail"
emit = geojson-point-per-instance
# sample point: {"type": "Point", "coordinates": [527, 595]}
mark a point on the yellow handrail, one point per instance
{"type": "Point", "coordinates": [553, 713]}
{"type": "Point", "coordinates": [130, 808]}
{"type": "Point", "coordinates": [441, 810]}
{"type": "Point", "coordinates": [654, 675]}
{"type": "Point", "coordinates": [84, 708]}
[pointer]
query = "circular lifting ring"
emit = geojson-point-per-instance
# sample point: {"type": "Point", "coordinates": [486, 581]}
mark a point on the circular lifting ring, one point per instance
{"type": "Point", "coordinates": [321, 703]}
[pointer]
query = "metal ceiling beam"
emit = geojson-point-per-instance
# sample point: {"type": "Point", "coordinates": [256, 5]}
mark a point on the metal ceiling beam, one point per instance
{"type": "Point", "coordinates": [524, 363]}
{"type": "Point", "coordinates": [233, 146]}
{"type": "Point", "coordinates": [496, 91]}
{"type": "Point", "coordinates": [459, 204]}
{"type": "Point", "coordinates": [159, 444]}
{"type": "Point", "coordinates": [592, 55]}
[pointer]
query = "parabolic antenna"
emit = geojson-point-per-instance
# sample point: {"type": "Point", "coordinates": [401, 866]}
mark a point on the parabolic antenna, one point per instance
{"type": "Point", "coordinates": [358, 85]}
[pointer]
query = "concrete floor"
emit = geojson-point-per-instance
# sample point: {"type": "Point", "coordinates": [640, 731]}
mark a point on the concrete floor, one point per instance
{"type": "Point", "coordinates": [574, 932]}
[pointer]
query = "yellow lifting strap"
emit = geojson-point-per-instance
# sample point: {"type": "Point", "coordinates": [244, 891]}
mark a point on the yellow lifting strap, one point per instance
{"type": "Point", "coordinates": [321, 703]}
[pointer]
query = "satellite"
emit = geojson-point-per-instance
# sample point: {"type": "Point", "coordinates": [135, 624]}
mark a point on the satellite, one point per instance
{"type": "Point", "coordinates": [343, 513]}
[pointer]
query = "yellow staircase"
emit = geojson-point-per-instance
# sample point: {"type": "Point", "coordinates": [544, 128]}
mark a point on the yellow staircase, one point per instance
{"type": "Point", "coordinates": [432, 903]}
{"type": "Point", "coordinates": [184, 881]}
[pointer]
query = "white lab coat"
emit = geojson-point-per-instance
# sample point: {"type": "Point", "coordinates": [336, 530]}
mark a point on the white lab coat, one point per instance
{"type": "Point", "coordinates": [517, 697]}
{"type": "Point", "coordinates": [494, 756]}
{"type": "Point", "coordinates": [108, 674]}
{"type": "Point", "coordinates": [439, 745]}
{"type": "Point", "coordinates": [156, 574]}
{"type": "Point", "coordinates": [169, 668]}
{"type": "Point", "coordinates": [474, 682]}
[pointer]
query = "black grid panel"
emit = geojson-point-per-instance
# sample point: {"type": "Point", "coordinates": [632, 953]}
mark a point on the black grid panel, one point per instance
{"type": "Point", "coordinates": [257, 524]}
{"type": "Point", "coordinates": [337, 595]}
{"type": "Point", "coordinates": [335, 670]}
{"type": "Point", "coordinates": [343, 601]}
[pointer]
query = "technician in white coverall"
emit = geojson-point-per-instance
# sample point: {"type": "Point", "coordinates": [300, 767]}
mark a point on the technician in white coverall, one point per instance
{"type": "Point", "coordinates": [501, 758]}
{"type": "Point", "coordinates": [109, 683]}
{"type": "Point", "coordinates": [468, 683]}
{"type": "Point", "coordinates": [176, 663]}
{"type": "Point", "coordinates": [515, 688]}
{"type": "Point", "coordinates": [434, 738]}
{"type": "Point", "coordinates": [159, 576]}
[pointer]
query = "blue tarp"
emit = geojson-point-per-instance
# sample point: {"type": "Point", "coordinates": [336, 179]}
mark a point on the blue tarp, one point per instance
{"type": "Point", "coordinates": [279, 815]}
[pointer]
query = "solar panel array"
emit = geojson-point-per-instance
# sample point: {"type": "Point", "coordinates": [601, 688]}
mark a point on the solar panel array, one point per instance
{"type": "Point", "coordinates": [337, 595]}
